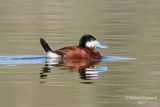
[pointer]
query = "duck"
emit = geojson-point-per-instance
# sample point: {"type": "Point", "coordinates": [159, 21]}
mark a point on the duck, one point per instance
{"type": "Point", "coordinates": [85, 50]}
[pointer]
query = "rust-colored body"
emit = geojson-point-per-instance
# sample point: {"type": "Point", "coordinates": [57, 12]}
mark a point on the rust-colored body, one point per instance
{"type": "Point", "coordinates": [76, 52]}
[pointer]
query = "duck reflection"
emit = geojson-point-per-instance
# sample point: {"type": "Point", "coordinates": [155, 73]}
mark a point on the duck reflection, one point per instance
{"type": "Point", "coordinates": [85, 68]}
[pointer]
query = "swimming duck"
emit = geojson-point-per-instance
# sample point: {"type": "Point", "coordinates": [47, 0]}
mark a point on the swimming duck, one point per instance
{"type": "Point", "coordinates": [86, 50]}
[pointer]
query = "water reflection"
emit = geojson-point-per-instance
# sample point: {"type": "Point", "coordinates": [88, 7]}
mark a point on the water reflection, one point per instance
{"type": "Point", "coordinates": [87, 69]}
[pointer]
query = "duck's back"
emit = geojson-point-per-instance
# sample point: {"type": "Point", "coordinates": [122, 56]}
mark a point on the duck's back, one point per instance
{"type": "Point", "coordinates": [77, 52]}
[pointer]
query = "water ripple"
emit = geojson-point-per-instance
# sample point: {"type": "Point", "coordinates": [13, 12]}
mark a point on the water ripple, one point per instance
{"type": "Point", "coordinates": [38, 59]}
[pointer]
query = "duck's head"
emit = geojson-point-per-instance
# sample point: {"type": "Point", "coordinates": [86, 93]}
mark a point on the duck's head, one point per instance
{"type": "Point", "coordinates": [90, 42]}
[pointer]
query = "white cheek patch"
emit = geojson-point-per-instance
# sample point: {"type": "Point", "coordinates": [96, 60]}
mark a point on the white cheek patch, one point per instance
{"type": "Point", "coordinates": [91, 44]}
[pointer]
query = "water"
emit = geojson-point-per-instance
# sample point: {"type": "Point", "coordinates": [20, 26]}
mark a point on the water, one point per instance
{"type": "Point", "coordinates": [130, 29]}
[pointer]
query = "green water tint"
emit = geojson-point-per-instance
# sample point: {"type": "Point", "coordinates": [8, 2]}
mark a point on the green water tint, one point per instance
{"type": "Point", "coordinates": [130, 28]}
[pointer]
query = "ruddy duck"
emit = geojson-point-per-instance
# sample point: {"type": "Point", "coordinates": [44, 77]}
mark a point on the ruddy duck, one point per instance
{"type": "Point", "coordinates": [86, 50]}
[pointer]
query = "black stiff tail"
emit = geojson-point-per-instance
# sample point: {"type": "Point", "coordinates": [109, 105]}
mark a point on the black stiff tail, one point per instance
{"type": "Point", "coordinates": [45, 45]}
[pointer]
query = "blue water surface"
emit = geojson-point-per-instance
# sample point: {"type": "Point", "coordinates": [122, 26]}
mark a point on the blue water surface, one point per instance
{"type": "Point", "coordinates": [39, 59]}
{"type": "Point", "coordinates": [22, 59]}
